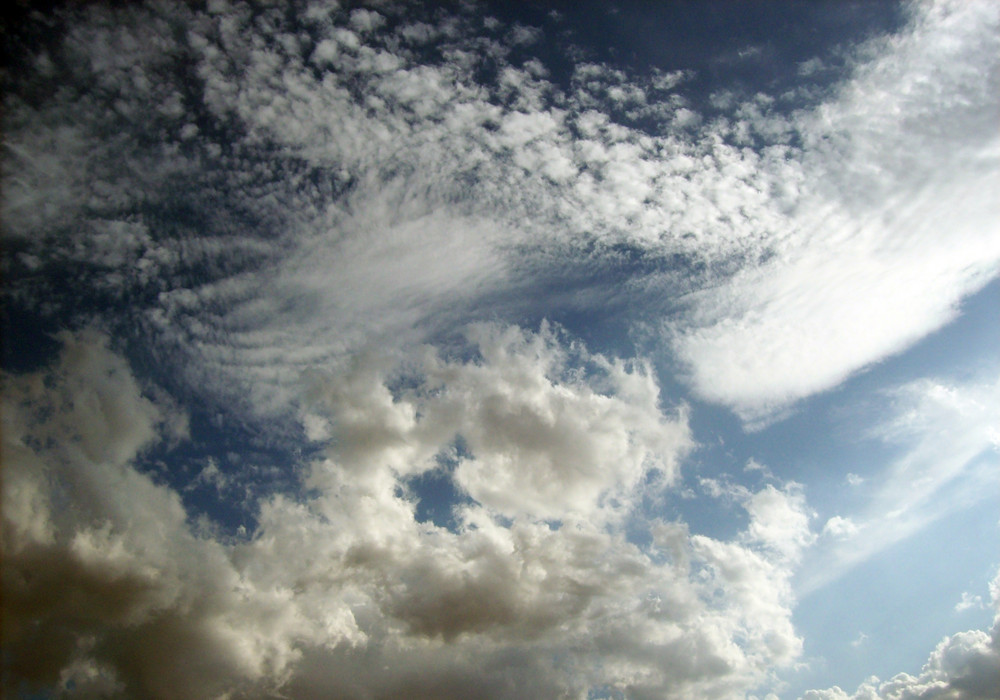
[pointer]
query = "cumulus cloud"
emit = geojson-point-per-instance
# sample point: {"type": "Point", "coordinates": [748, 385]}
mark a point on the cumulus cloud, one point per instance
{"type": "Point", "coordinates": [968, 601]}
{"type": "Point", "coordinates": [963, 666]}
{"type": "Point", "coordinates": [108, 589]}
{"type": "Point", "coordinates": [550, 448]}
{"type": "Point", "coordinates": [838, 527]}
{"type": "Point", "coordinates": [538, 437]}
{"type": "Point", "coordinates": [779, 518]}
{"type": "Point", "coordinates": [105, 587]}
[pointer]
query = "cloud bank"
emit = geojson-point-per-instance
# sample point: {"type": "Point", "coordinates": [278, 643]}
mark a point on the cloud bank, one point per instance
{"type": "Point", "coordinates": [110, 588]}
{"type": "Point", "coordinates": [268, 190]}
{"type": "Point", "coordinates": [892, 225]}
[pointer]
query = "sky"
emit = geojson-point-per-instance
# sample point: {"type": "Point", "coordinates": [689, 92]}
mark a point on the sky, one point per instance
{"type": "Point", "coordinates": [501, 350]}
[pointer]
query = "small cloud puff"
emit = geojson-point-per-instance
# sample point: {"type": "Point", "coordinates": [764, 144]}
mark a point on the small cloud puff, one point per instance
{"type": "Point", "coordinates": [853, 479]}
{"type": "Point", "coordinates": [969, 602]}
{"type": "Point", "coordinates": [840, 528]}
{"type": "Point", "coordinates": [780, 520]}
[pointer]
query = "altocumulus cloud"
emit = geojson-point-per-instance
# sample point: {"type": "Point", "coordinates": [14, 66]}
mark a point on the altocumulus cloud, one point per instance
{"type": "Point", "coordinates": [268, 188]}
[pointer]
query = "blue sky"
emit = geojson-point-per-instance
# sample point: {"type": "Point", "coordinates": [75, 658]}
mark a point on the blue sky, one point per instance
{"type": "Point", "coordinates": [604, 350]}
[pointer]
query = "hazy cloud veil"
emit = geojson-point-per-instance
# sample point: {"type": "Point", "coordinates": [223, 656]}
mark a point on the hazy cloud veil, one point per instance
{"type": "Point", "coordinates": [340, 230]}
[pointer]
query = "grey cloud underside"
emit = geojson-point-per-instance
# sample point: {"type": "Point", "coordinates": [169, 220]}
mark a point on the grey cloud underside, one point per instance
{"type": "Point", "coordinates": [108, 587]}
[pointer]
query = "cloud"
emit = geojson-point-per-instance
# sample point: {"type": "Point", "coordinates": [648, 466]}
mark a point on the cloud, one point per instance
{"type": "Point", "coordinates": [779, 518]}
{"type": "Point", "coordinates": [104, 585]}
{"type": "Point", "coordinates": [944, 433]}
{"type": "Point", "coordinates": [963, 666]}
{"type": "Point", "coordinates": [281, 190]}
{"type": "Point", "coordinates": [550, 448]}
{"type": "Point", "coordinates": [753, 465]}
{"type": "Point", "coordinates": [536, 438]}
{"type": "Point", "coordinates": [284, 190]}
{"type": "Point", "coordinates": [968, 601]}
{"type": "Point", "coordinates": [284, 206]}
{"type": "Point", "coordinates": [343, 591]}
{"type": "Point", "coordinates": [888, 229]}
{"type": "Point", "coordinates": [839, 527]}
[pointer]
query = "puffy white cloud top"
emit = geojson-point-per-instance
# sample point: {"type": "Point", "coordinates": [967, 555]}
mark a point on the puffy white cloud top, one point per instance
{"type": "Point", "coordinates": [108, 586]}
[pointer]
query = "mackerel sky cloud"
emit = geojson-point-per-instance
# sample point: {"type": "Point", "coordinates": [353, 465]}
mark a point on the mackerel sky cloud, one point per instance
{"type": "Point", "coordinates": [389, 349]}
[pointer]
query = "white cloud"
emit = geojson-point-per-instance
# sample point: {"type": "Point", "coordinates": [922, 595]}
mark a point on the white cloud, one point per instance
{"type": "Point", "coordinates": [369, 193]}
{"type": "Point", "coordinates": [539, 437]}
{"type": "Point", "coordinates": [521, 34]}
{"type": "Point", "coordinates": [344, 592]}
{"type": "Point", "coordinates": [963, 666]}
{"type": "Point", "coordinates": [945, 432]}
{"type": "Point", "coordinates": [839, 527]}
{"type": "Point", "coordinates": [779, 519]}
{"type": "Point", "coordinates": [366, 20]}
{"type": "Point", "coordinates": [891, 227]}
{"type": "Point", "coordinates": [342, 196]}
{"type": "Point", "coordinates": [968, 602]}
{"type": "Point", "coordinates": [381, 193]}
{"type": "Point", "coordinates": [753, 465]}
{"type": "Point", "coordinates": [553, 448]}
